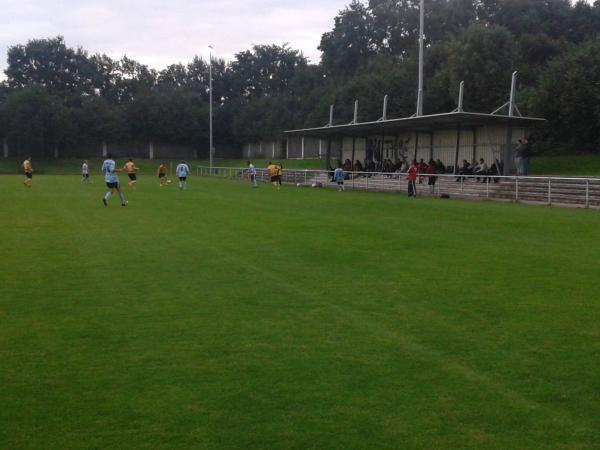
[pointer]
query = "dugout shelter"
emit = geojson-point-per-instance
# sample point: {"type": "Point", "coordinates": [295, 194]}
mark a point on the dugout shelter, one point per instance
{"type": "Point", "coordinates": [450, 137]}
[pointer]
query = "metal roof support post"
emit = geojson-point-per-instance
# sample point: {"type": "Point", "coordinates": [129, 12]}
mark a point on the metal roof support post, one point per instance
{"type": "Point", "coordinates": [475, 146]}
{"type": "Point", "coordinates": [353, 151]}
{"type": "Point", "coordinates": [430, 145]}
{"type": "Point", "coordinates": [508, 160]}
{"type": "Point", "coordinates": [330, 115]}
{"type": "Point", "coordinates": [302, 147]}
{"type": "Point", "coordinates": [355, 120]}
{"type": "Point", "coordinates": [461, 91]}
{"type": "Point", "coordinates": [513, 94]}
{"type": "Point", "coordinates": [416, 144]}
{"type": "Point", "coordinates": [457, 149]}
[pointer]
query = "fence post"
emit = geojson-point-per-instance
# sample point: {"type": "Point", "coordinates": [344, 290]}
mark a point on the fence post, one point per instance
{"type": "Point", "coordinates": [549, 191]}
{"type": "Point", "coordinates": [461, 183]}
{"type": "Point", "coordinates": [305, 171]}
{"type": "Point", "coordinates": [487, 188]}
{"type": "Point", "coordinates": [367, 187]}
{"type": "Point", "coordinates": [516, 189]}
{"type": "Point", "coordinates": [587, 193]}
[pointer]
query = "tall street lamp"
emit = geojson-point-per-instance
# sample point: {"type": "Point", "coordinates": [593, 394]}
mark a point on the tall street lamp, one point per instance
{"type": "Point", "coordinates": [210, 104]}
{"type": "Point", "coordinates": [210, 112]}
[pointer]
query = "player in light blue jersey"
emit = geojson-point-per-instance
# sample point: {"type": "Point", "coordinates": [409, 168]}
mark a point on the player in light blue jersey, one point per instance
{"type": "Point", "coordinates": [252, 174]}
{"type": "Point", "coordinates": [338, 176]}
{"type": "Point", "coordinates": [109, 168]}
{"type": "Point", "coordinates": [182, 171]}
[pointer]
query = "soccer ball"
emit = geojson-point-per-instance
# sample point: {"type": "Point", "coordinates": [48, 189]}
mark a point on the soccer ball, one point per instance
{"type": "Point", "coordinates": [314, 185]}
{"type": "Point", "coordinates": [298, 184]}
{"type": "Point", "coordinates": [169, 181]}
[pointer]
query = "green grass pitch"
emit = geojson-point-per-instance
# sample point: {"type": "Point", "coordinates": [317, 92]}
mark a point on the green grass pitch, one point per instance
{"type": "Point", "coordinates": [232, 317]}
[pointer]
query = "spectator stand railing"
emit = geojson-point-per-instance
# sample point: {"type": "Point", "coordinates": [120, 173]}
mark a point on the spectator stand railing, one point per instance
{"type": "Point", "coordinates": [547, 190]}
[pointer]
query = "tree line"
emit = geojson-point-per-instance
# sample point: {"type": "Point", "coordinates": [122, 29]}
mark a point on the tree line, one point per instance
{"type": "Point", "coordinates": [60, 97]}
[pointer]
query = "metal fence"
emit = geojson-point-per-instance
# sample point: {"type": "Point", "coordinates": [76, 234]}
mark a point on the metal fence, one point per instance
{"type": "Point", "coordinates": [562, 191]}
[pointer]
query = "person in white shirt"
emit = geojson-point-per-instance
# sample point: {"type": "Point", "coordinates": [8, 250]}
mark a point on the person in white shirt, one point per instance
{"type": "Point", "coordinates": [182, 171]}
{"type": "Point", "coordinates": [252, 174]}
{"type": "Point", "coordinates": [481, 169]}
{"type": "Point", "coordinates": [85, 172]}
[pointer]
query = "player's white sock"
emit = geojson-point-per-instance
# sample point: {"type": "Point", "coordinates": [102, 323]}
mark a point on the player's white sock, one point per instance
{"type": "Point", "coordinates": [122, 197]}
{"type": "Point", "coordinates": [108, 195]}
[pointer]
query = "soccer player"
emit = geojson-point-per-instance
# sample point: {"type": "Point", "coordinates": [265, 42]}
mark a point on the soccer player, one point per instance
{"type": "Point", "coordinates": [162, 174]}
{"type": "Point", "coordinates": [338, 176]}
{"type": "Point", "coordinates": [28, 171]}
{"type": "Point", "coordinates": [272, 170]}
{"type": "Point", "coordinates": [85, 172]}
{"type": "Point", "coordinates": [109, 167]}
{"type": "Point", "coordinates": [252, 174]}
{"type": "Point", "coordinates": [131, 170]}
{"type": "Point", "coordinates": [279, 173]}
{"type": "Point", "coordinates": [182, 171]}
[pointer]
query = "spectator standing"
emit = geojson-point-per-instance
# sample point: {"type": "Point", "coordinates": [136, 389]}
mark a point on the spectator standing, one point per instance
{"type": "Point", "coordinates": [412, 179]}
{"type": "Point", "coordinates": [522, 154]}
{"type": "Point", "coordinates": [431, 169]}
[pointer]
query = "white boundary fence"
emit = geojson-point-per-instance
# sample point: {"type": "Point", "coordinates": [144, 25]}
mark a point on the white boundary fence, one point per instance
{"type": "Point", "coordinates": [563, 191]}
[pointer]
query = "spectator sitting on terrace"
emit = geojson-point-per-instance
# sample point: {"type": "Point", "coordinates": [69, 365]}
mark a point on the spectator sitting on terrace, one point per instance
{"type": "Point", "coordinates": [466, 169]}
{"type": "Point", "coordinates": [481, 169]}
{"type": "Point", "coordinates": [358, 167]}
{"type": "Point", "coordinates": [388, 166]}
{"type": "Point", "coordinates": [440, 166]}
{"type": "Point", "coordinates": [370, 166]}
{"type": "Point", "coordinates": [494, 170]}
{"type": "Point", "coordinates": [347, 165]}
{"type": "Point", "coordinates": [404, 166]}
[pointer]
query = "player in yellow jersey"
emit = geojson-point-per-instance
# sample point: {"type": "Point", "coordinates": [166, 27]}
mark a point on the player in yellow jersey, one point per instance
{"type": "Point", "coordinates": [279, 173]}
{"type": "Point", "coordinates": [162, 174]}
{"type": "Point", "coordinates": [28, 171]}
{"type": "Point", "coordinates": [272, 171]}
{"type": "Point", "coordinates": [131, 171]}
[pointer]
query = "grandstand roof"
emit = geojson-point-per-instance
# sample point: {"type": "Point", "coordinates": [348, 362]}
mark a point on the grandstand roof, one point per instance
{"type": "Point", "coordinates": [432, 122]}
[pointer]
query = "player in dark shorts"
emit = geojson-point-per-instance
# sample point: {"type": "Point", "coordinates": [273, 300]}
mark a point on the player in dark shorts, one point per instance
{"type": "Point", "coordinates": [162, 174]}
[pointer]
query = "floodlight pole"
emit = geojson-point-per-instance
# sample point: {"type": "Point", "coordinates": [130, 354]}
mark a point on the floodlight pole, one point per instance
{"type": "Point", "coordinates": [421, 39]}
{"type": "Point", "coordinates": [210, 111]}
{"type": "Point", "coordinates": [461, 92]}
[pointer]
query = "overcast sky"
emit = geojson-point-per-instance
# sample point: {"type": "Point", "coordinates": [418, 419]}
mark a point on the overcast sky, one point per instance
{"type": "Point", "coordinates": [158, 33]}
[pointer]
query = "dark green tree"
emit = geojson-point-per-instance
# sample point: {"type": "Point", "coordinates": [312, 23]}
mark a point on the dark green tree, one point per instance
{"type": "Point", "coordinates": [568, 95]}
{"type": "Point", "coordinates": [351, 42]}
